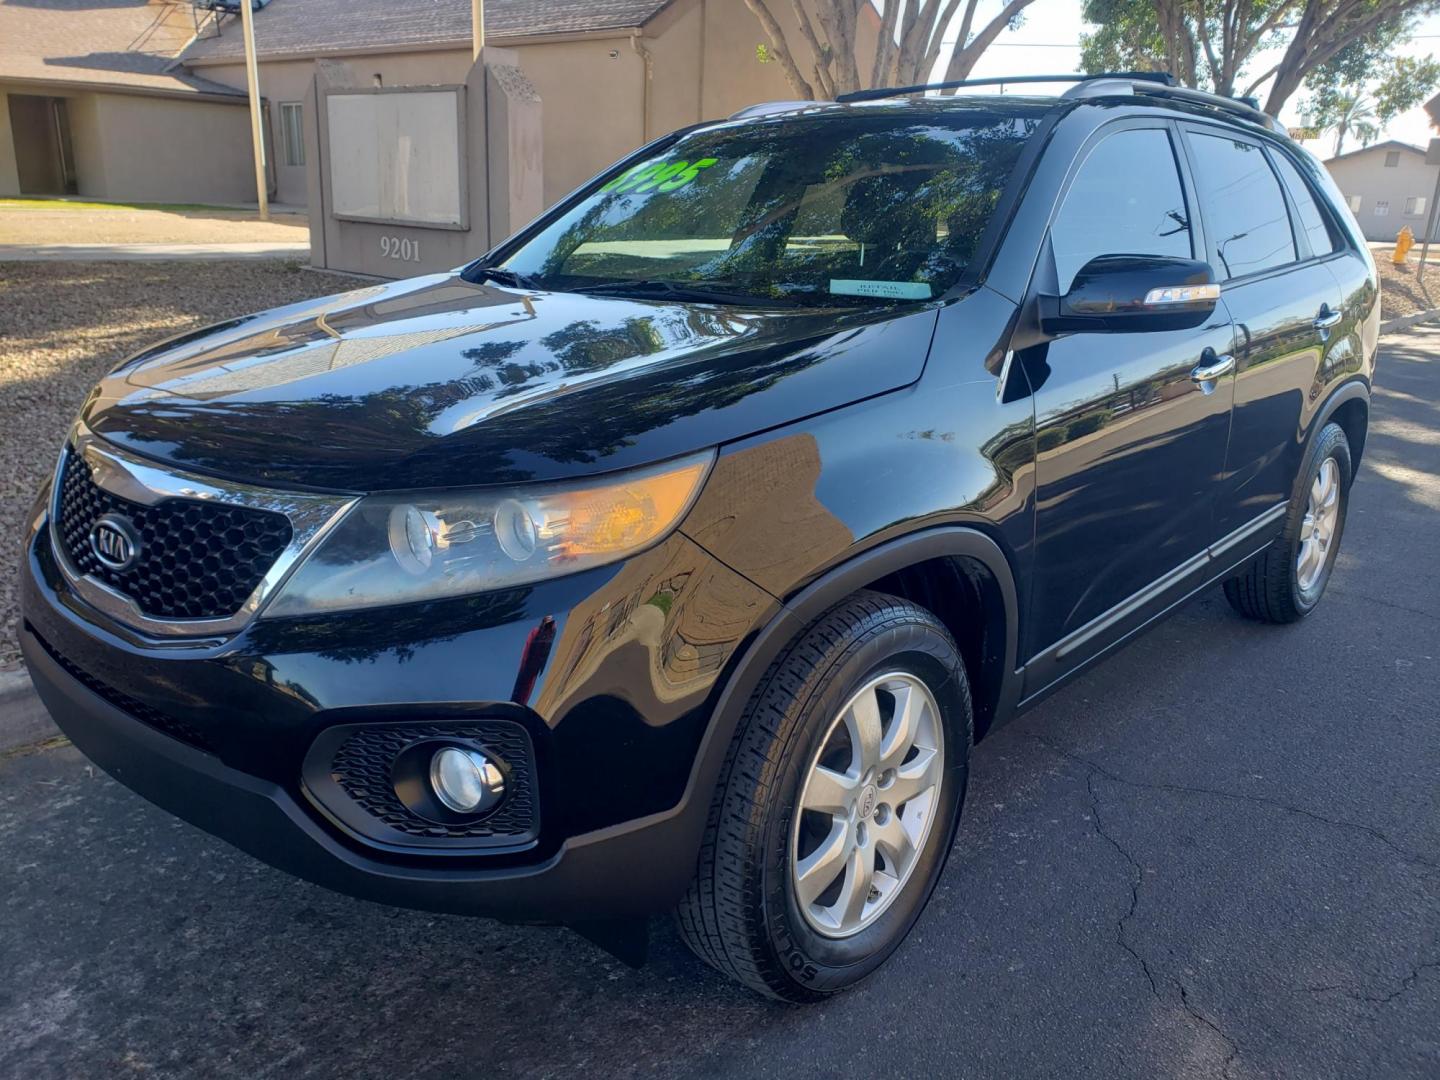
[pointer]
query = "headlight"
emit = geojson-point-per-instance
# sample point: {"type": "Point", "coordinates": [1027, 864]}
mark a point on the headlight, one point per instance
{"type": "Point", "coordinates": [397, 549]}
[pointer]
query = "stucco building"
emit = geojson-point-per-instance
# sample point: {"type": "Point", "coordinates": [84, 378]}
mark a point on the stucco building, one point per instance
{"type": "Point", "coordinates": [93, 104]}
{"type": "Point", "coordinates": [611, 74]}
{"type": "Point", "coordinates": [1388, 186]}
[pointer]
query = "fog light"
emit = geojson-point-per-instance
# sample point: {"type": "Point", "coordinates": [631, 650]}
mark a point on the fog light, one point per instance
{"type": "Point", "coordinates": [465, 781]}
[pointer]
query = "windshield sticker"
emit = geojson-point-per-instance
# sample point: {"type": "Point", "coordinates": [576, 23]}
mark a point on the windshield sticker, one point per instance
{"type": "Point", "coordinates": [659, 176]}
{"type": "Point", "coordinates": [890, 290]}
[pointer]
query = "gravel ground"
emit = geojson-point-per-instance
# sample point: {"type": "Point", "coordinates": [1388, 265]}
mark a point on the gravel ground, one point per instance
{"type": "Point", "coordinates": [46, 225]}
{"type": "Point", "coordinates": [63, 325]}
{"type": "Point", "coordinates": [1400, 292]}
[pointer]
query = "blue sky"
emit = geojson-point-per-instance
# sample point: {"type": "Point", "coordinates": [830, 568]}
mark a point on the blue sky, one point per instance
{"type": "Point", "coordinates": [1048, 43]}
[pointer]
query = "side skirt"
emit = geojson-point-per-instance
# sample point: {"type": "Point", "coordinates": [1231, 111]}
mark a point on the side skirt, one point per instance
{"type": "Point", "coordinates": [1047, 671]}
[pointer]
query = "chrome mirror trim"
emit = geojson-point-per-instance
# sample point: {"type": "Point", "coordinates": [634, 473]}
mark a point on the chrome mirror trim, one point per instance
{"type": "Point", "coordinates": [140, 481]}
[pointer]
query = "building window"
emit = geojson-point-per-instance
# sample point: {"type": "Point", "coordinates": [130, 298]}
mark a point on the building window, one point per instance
{"type": "Point", "coordinates": [1392, 159]}
{"type": "Point", "coordinates": [292, 134]}
{"type": "Point", "coordinates": [1354, 201]}
{"type": "Point", "coordinates": [1415, 205]}
{"type": "Point", "coordinates": [1382, 208]}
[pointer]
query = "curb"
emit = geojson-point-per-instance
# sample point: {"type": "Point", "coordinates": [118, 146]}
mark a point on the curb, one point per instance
{"type": "Point", "coordinates": [23, 719]}
{"type": "Point", "coordinates": [1404, 322]}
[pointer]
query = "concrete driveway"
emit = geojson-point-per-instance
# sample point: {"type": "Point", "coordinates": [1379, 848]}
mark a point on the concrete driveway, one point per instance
{"type": "Point", "coordinates": [1216, 855]}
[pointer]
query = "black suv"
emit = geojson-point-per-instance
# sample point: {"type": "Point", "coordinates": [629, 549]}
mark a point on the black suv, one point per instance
{"type": "Point", "coordinates": [672, 556]}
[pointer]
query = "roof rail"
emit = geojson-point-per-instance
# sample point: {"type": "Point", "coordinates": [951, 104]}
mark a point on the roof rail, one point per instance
{"type": "Point", "coordinates": [766, 108]}
{"type": "Point", "coordinates": [1247, 108]}
{"type": "Point", "coordinates": [1160, 78]}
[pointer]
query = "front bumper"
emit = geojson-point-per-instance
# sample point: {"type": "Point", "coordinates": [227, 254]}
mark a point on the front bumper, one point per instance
{"type": "Point", "coordinates": [617, 718]}
{"type": "Point", "coordinates": [629, 870]}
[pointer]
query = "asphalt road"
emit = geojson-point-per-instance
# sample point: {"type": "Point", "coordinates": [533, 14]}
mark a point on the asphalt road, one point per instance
{"type": "Point", "coordinates": [1216, 855]}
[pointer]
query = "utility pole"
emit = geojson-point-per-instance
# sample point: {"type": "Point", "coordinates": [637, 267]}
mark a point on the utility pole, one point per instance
{"type": "Point", "coordinates": [1432, 157]}
{"type": "Point", "coordinates": [252, 82]}
{"type": "Point", "coordinates": [477, 26]}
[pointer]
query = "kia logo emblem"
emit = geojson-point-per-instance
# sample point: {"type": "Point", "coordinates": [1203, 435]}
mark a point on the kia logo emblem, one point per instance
{"type": "Point", "coordinates": [114, 542]}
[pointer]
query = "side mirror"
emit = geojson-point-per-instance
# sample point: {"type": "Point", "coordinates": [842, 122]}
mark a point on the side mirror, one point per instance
{"type": "Point", "coordinates": [1130, 293]}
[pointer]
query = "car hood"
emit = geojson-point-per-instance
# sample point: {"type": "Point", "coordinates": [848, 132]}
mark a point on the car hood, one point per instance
{"type": "Point", "coordinates": [443, 382]}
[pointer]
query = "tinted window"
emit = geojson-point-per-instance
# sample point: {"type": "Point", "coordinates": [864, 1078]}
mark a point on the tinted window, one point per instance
{"type": "Point", "coordinates": [1125, 200]}
{"type": "Point", "coordinates": [1311, 220]}
{"type": "Point", "coordinates": [866, 209]}
{"type": "Point", "coordinates": [1245, 213]}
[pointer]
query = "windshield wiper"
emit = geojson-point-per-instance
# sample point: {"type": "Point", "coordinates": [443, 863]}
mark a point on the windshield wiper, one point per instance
{"type": "Point", "coordinates": [700, 292]}
{"type": "Point", "coordinates": [509, 278]}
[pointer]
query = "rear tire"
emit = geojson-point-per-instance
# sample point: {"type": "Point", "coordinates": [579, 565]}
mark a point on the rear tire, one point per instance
{"type": "Point", "coordinates": [833, 706]}
{"type": "Point", "coordinates": [1285, 582]}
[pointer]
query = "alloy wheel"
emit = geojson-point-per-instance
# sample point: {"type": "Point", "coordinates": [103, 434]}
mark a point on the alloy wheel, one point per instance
{"type": "Point", "coordinates": [867, 805]}
{"type": "Point", "coordinates": [1317, 529]}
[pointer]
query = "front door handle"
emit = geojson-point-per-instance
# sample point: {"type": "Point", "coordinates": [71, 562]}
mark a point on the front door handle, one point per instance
{"type": "Point", "coordinates": [1205, 375]}
{"type": "Point", "coordinates": [1327, 318]}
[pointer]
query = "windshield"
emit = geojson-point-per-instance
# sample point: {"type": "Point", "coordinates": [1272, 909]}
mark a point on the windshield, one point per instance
{"type": "Point", "coordinates": [875, 209]}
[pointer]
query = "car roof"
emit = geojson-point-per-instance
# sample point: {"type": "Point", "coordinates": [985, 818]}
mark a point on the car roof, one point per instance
{"type": "Point", "coordinates": [1108, 94]}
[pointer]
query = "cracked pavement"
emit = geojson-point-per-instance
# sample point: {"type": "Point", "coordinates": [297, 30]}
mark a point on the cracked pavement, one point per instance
{"type": "Point", "coordinates": [1215, 855]}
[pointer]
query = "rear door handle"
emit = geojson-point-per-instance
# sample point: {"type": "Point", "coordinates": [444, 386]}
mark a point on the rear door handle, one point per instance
{"type": "Point", "coordinates": [1205, 375]}
{"type": "Point", "coordinates": [1327, 318]}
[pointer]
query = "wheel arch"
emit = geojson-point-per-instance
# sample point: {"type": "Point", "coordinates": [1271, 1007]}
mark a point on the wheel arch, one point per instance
{"type": "Point", "coordinates": [1349, 406]}
{"type": "Point", "coordinates": [979, 560]}
{"type": "Point", "coordinates": [947, 563]}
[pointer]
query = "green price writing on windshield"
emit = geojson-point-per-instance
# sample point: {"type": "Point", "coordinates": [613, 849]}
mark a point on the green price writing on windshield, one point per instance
{"type": "Point", "coordinates": [659, 176]}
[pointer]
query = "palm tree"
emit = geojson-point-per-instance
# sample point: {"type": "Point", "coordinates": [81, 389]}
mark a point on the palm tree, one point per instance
{"type": "Point", "coordinates": [1354, 115]}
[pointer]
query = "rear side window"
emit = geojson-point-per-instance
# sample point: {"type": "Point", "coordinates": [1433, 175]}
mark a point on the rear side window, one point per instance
{"type": "Point", "coordinates": [1311, 219]}
{"type": "Point", "coordinates": [1245, 212]}
{"type": "Point", "coordinates": [1125, 200]}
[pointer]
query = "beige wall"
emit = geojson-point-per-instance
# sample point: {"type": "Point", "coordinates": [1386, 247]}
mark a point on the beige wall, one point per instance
{"type": "Point", "coordinates": [1365, 175]}
{"type": "Point", "coordinates": [593, 106]}
{"type": "Point", "coordinates": [286, 81]}
{"type": "Point", "coordinates": [86, 137]}
{"type": "Point", "coordinates": [703, 66]}
{"type": "Point", "coordinates": [147, 148]}
{"type": "Point", "coordinates": [9, 175]}
{"type": "Point", "coordinates": [167, 150]}
{"type": "Point", "coordinates": [596, 116]}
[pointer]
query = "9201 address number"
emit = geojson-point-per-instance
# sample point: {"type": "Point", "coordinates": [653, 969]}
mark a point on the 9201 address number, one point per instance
{"type": "Point", "coordinates": [401, 248]}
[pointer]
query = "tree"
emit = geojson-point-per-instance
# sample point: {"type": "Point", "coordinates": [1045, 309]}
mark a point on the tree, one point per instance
{"type": "Point", "coordinates": [1350, 100]}
{"type": "Point", "coordinates": [911, 42]}
{"type": "Point", "coordinates": [1348, 113]}
{"type": "Point", "coordinates": [1209, 44]}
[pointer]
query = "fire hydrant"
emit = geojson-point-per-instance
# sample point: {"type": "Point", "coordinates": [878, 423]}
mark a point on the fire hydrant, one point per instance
{"type": "Point", "coordinates": [1404, 241]}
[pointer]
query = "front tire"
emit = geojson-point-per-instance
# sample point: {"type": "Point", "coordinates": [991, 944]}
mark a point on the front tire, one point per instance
{"type": "Point", "coordinates": [837, 803]}
{"type": "Point", "coordinates": [1286, 581]}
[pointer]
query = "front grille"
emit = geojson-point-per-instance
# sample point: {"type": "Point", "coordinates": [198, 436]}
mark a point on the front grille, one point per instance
{"type": "Point", "coordinates": [363, 769]}
{"type": "Point", "coordinates": [162, 722]}
{"type": "Point", "coordinates": [196, 560]}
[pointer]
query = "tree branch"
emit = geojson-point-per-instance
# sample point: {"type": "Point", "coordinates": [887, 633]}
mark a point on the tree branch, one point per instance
{"type": "Point", "coordinates": [962, 60]}
{"type": "Point", "coordinates": [885, 46]}
{"type": "Point", "coordinates": [780, 49]}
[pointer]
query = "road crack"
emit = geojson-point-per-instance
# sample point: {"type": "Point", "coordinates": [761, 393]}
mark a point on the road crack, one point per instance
{"type": "Point", "coordinates": [1260, 800]}
{"type": "Point", "coordinates": [1122, 938]}
{"type": "Point", "coordinates": [1406, 984]}
{"type": "Point", "coordinates": [1200, 1017]}
{"type": "Point", "coordinates": [1137, 877]}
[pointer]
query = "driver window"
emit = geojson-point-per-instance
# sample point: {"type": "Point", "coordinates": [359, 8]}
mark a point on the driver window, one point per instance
{"type": "Point", "coordinates": [1125, 200]}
